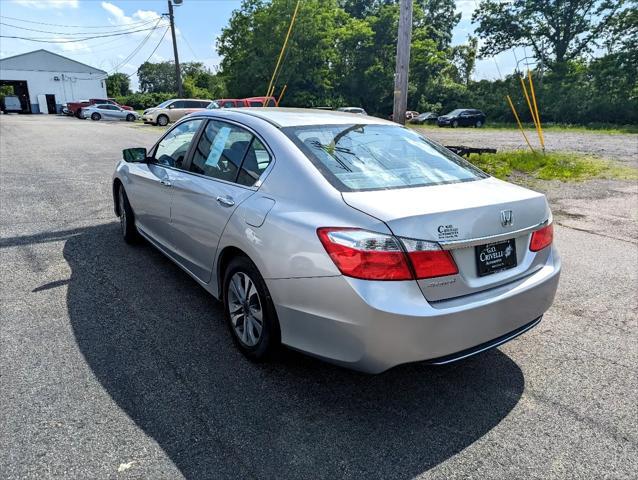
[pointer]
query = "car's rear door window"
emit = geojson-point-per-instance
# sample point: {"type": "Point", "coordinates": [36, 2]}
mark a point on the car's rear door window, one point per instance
{"type": "Point", "coordinates": [231, 153]}
{"type": "Point", "coordinates": [256, 104]}
{"type": "Point", "coordinates": [374, 157]}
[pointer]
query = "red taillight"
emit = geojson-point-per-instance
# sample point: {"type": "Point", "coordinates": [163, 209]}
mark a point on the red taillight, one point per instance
{"type": "Point", "coordinates": [542, 238]}
{"type": "Point", "coordinates": [377, 256]}
{"type": "Point", "coordinates": [428, 259]}
{"type": "Point", "coordinates": [362, 254]}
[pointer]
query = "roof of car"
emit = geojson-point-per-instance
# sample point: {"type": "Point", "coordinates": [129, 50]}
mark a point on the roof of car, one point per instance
{"type": "Point", "coordinates": [289, 117]}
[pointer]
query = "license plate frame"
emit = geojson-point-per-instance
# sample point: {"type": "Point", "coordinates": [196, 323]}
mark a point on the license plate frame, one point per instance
{"type": "Point", "coordinates": [495, 257]}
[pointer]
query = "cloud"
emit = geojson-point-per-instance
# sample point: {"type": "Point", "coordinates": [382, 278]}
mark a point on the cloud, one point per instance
{"type": "Point", "coordinates": [118, 17]}
{"type": "Point", "coordinates": [466, 8]}
{"type": "Point", "coordinates": [73, 47]}
{"type": "Point", "coordinates": [41, 4]}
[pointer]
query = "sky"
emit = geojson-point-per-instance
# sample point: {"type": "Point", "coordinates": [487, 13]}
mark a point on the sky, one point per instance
{"type": "Point", "coordinates": [198, 22]}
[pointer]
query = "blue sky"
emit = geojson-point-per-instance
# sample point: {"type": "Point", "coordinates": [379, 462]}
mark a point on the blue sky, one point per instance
{"type": "Point", "coordinates": [199, 22]}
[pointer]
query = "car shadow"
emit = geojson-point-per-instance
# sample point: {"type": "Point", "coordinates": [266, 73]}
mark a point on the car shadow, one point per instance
{"type": "Point", "coordinates": [157, 344]}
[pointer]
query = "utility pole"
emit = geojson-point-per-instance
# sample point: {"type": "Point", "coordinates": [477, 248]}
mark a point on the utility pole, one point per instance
{"type": "Point", "coordinates": [403, 62]}
{"type": "Point", "coordinates": [178, 74]}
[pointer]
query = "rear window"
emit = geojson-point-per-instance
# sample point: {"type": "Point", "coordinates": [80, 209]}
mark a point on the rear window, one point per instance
{"type": "Point", "coordinates": [256, 104]}
{"type": "Point", "coordinates": [376, 157]}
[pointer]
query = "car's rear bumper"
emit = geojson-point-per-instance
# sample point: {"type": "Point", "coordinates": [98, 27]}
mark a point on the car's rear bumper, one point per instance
{"type": "Point", "coordinates": [373, 326]}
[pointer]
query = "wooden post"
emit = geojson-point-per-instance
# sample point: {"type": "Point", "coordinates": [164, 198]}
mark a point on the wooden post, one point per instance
{"type": "Point", "coordinates": [403, 62]}
{"type": "Point", "coordinates": [178, 74]}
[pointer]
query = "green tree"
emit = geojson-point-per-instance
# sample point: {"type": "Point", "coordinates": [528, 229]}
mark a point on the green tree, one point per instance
{"type": "Point", "coordinates": [556, 31]}
{"type": "Point", "coordinates": [118, 84]}
{"type": "Point", "coordinates": [157, 77]}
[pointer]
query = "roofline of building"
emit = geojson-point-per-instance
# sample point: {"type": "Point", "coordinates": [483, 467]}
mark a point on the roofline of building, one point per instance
{"type": "Point", "coordinates": [57, 55]}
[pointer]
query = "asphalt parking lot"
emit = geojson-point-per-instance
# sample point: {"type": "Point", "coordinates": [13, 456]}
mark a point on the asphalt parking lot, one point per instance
{"type": "Point", "coordinates": [115, 364]}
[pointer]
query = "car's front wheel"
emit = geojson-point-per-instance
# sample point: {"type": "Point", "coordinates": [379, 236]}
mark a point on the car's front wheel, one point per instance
{"type": "Point", "coordinates": [95, 116]}
{"type": "Point", "coordinates": [454, 124]}
{"type": "Point", "coordinates": [162, 120]}
{"type": "Point", "coordinates": [130, 117]}
{"type": "Point", "coordinates": [127, 218]}
{"type": "Point", "coordinates": [250, 313]}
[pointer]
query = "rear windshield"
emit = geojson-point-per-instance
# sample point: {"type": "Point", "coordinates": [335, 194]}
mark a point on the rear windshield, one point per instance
{"type": "Point", "coordinates": [375, 157]}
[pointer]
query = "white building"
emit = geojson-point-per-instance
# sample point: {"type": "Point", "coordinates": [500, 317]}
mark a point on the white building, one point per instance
{"type": "Point", "coordinates": [45, 81]}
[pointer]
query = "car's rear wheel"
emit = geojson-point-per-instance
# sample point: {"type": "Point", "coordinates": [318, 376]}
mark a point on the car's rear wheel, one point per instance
{"type": "Point", "coordinates": [478, 124]}
{"type": "Point", "coordinates": [95, 116]}
{"type": "Point", "coordinates": [162, 120]}
{"type": "Point", "coordinates": [454, 124]}
{"type": "Point", "coordinates": [127, 218]}
{"type": "Point", "coordinates": [250, 313]}
{"type": "Point", "coordinates": [130, 117]}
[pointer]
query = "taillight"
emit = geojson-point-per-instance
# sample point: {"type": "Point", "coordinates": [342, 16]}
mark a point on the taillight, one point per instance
{"type": "Point", "coordinates": [542, 238]}
{"type": "Point", "coordinates": [377, 256]}
{"type": "Point", "coordinates": [428, 259]}
{"type": "Point", "coordinates": [367, 255]}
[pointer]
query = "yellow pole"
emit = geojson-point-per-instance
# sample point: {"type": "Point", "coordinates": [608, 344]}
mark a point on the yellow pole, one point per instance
{"type": "Point", "coordinates": [283, 47]}
{"type": "Point", "coordinates": [538, 118]}
{"type": "Point", "coordinates": [529, 105]}
{"type": "Point", "coordinates": [520, 126]}
{"type": "Point", "coordinates": [281, 94]}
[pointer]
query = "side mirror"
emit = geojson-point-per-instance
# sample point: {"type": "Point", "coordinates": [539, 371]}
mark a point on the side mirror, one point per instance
{"type": "Point", "coordinates": [134, 155]}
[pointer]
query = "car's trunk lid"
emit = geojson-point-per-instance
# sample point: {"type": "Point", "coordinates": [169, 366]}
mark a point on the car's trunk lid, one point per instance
{"type": "Point", "coordinates": [461, 216]}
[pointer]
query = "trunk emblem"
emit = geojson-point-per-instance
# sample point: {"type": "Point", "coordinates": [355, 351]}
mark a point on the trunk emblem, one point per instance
{"type": "Point", "coordinates": [506, 218]}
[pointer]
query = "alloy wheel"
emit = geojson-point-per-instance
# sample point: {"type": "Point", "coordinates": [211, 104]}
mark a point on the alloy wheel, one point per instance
{"type": "Point", "coordinates": [244, 306]}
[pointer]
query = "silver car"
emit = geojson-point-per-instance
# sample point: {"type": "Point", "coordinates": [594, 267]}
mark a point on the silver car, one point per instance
{"type": "Point", "coordinates": [107, 111]}
{"type": "Point", "coordinates": [344, 236]}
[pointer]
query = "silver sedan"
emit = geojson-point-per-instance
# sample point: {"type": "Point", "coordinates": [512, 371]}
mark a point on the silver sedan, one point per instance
{"type": "Point", "coordinates": [347, 237]}
{"type": "Point", "coordinates": [108, 112]}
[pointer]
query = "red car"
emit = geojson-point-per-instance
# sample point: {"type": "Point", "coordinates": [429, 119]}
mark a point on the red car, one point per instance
{"type": "Point", "coordinates": [247, 102]}
{"type": "Point", "coordinates": [74, 108]}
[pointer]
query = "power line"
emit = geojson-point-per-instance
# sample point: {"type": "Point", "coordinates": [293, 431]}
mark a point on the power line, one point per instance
{"type": "Point", "coordinates": [154, 50]}
{"type": "Point", "coordinates": [116, 29]}
{"type": "Point", "coordinates": [73, 26]}
{"type": "Point", "coordinates": [52, 40]}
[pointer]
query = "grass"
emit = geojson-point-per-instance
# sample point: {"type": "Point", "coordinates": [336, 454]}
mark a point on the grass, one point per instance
{"type": "Point", "coordinates": [555, 127]}
{"type": "Point", "coordinates": [551, 166]}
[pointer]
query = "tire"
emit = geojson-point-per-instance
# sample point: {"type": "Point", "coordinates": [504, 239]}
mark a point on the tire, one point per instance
{"type": "Point", "coordinates": [95, 116]}
{"type": "Point", "coordinates": [162, 120]}
{"type": "Point", "coordinates": [454, 124]}
{"type": "Point", "coordinates": [478, 124]}
{"type": "Point", "coordinates": [127, 218]}
{"type": "Point", "coordinates": [263, 337]}
{"type": "Point", "coordinates": [130, 117]}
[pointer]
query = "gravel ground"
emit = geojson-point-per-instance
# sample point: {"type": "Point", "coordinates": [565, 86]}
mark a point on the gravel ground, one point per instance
{"type": "Point", "coordinates": [115, 364]}
{"type": "Point", "coordinates": [619, 147]}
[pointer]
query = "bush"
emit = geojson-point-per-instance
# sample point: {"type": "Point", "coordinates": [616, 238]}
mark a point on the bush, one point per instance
{"type": "Point", "coordinates": [141, 101]}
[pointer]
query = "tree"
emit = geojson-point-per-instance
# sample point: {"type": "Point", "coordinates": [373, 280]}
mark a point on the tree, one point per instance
{"type": "Point", "coordinates": [118, 84]}
{"type": "Point", "coordinates": [157, 77]}
{"type": "Point", "coordinates": [557, 31]}
{"type": "Point", "coordinates": [464, 58]}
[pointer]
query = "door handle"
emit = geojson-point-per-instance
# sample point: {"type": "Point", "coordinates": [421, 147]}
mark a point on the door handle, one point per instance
{"type": "Point", "coordinates": [166, 183]}
{"type": "Point", "coordinates": [225, 201]}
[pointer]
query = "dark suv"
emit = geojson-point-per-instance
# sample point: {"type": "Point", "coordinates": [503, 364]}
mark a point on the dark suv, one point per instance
{"type": "Point", "coordinates": [462, 117]}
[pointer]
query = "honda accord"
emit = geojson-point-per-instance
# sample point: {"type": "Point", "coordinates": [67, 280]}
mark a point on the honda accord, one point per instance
{"type": "Point", "coordinates": [347, 237]}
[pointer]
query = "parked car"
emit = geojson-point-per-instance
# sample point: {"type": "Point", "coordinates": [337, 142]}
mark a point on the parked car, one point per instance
{"type": "Point", "coordinates": [425, 118]}
{"type": "Point", "coordinates": [410, 114]}
{"type": "Point", "coordinates": [73, 108]}
{"type": "Point", "coordinates": [108, 111]}
{"type": "Point", "coordinates": [357, 110]}
{"type": "Point", "coordinates": [172, 110]}
{"type": "Point", "coordinates": [462, 117]}
{"type": "Point", "coordinates": [11, 103]}
{"type": "Point", "coordinates": [362, 243]}
{"type": "Point", "coordinates": [246, 102]}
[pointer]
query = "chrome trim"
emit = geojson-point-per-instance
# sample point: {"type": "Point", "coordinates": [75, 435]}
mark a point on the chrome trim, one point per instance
{"type": "Point", "coordinates": [486, 346]}
{"type": "Point", "coordinates": [470, 242]}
